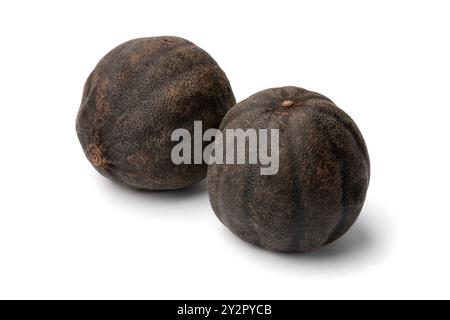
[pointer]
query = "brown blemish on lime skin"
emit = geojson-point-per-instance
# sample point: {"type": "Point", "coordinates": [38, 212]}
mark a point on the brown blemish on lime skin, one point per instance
{"type": "Point", "coordinates": [96, 156]}
{"type": "Point", "coordinates": [287, 103]}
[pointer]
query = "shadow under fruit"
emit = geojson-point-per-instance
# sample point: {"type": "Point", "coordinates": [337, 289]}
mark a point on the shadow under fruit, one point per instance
{"type": "Point", "coordinates": [136, 96]}
{"type": "Point", "coordinates": [322, 181]}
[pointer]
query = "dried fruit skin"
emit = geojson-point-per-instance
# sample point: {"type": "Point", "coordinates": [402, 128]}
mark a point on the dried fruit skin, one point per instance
{"type": "Point", "coordinates": [136, 96]}
{"type": "Point", "coordinates": [322, 181]}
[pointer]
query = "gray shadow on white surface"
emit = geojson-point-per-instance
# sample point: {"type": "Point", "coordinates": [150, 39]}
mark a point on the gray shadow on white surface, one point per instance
{"type": "Point", "coordinates": [184, 202]}
{"type": "Point", "coordinates": [358, 241]}
{"type": "Point", "coordinates": [364, 245]}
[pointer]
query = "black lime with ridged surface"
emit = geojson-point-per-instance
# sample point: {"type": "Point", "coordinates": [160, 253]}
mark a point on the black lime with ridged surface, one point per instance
{"type": "Point", "coordinates": [136, 96]}
{"type": "Point", "coordinates": [322, 181]}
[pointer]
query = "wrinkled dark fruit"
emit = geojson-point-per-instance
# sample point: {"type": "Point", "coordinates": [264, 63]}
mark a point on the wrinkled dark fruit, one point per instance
{"type": "Point", "coordinates": [322, 181]}
{"type": "Point", "coordinates": [136, 96]}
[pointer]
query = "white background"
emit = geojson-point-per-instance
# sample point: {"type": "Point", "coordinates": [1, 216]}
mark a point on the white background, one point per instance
{"type": "Point", "coordinates": [67, 232]}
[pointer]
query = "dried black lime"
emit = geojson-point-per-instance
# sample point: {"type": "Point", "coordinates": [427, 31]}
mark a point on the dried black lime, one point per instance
{"type": "Point", "coordinates": [136, 96]}
{"type": "Point", "coordinates": [320, 187]}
